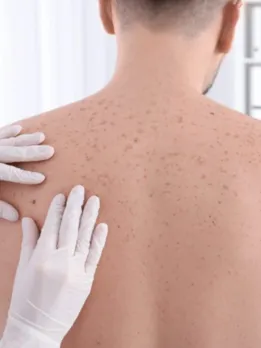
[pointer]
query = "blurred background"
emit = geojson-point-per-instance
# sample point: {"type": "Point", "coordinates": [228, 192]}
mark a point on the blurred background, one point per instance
{"type": "Point", "coordinates": [54, 52]}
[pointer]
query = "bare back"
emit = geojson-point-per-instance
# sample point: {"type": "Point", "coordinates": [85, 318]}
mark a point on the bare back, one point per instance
{"type": "Point", "coordinates": [179, 180]}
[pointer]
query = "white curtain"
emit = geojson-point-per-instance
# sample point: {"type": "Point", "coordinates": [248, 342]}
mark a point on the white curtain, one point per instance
{"type": "Point", "coordinates": [52, 52]}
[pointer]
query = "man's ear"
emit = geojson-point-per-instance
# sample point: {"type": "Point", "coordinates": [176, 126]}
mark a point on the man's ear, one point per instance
{"type": "Point", "coordinates": [231, 15]}
{"type": "Point", "coordinates": [106, 15]}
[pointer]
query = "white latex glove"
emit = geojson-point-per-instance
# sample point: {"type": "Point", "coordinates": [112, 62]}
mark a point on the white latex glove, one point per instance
{"type": "Point", "coordinates": [55, 272]}
{"type": "Point", "coordinates": [16, 148]}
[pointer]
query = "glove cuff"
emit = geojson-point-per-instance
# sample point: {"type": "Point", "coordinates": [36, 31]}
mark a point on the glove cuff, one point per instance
{"type": "Point", "coordinates": [18, 334]}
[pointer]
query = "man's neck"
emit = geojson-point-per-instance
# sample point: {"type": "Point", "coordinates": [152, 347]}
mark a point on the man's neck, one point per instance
{"type": "Point", "coordinates": [160, 60]}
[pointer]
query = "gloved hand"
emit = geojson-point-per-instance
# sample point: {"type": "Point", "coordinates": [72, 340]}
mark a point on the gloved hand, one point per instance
{"type": "Point", "coordinates": [55, 272]}
{"type": "Point", "coordinates": [14, 149]}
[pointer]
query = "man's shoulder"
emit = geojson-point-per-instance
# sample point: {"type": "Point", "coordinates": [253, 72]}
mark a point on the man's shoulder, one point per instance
{"type": "Point", "coordinates": [232, 133]}
{"type": "Point", "coordinates": [58, 117]}
{"type": "Point", "coordinates": [242, 133]}
{"type": "Point", "coordinates": [236, 120]}
{"type": "Point", "coordinates": [42, 121]}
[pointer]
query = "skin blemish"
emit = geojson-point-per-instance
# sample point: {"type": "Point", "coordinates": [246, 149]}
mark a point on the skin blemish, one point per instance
{"type": "Point", "coordinates": [200, 160]}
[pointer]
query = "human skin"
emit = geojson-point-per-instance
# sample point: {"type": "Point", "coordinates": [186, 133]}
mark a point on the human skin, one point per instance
{"type": "Point", "coordinates": [181, 195]}
{"type": "Point", "coordinates": [179, 180]}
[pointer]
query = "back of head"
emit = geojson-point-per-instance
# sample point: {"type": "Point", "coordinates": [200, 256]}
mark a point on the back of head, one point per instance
{"type": "Point", "coordinates": [180, 29]}
{"type": "Point", "coordinates": [189, 16]}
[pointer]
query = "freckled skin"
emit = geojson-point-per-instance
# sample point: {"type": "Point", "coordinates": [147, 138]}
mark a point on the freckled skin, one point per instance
{"type": "Point", "coordinates": [179, 181]}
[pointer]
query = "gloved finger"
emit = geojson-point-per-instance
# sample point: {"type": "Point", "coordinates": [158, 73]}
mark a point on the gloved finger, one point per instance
{"type": "Point", "coordinates": [16, 154]}
{"type": "Point", "coordinates": [50, 232]}
{"type": "Point", "coordinates": [24, 140]}
{"type": "Point", "coordinates": [71, 219]}
{"type": "Point", "coordinates": [17, 175]}
{"type": "Point", "coordinates": [97, 245]}
{"type": "Point", "coordinates": [7, 212]}
{"type": "Point", "coordinates": [87, 225]}
{"type": "Point", "coordinates": [10, 131]}
{"type": "Point", "coordinates": [29, 242]}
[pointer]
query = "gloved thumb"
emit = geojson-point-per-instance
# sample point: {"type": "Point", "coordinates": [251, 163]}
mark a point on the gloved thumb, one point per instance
{"type": "Point", "coordinates": [7, 212]}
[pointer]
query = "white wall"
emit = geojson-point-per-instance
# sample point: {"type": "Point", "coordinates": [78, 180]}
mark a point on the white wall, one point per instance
{"type": "Point", "coordinates": [223, 90]}
{"type": "Point", "coordinates": [229, 86]}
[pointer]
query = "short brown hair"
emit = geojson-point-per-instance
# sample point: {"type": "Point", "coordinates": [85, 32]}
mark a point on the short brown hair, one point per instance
{"type": "Point", "coordinates": [188, 14]}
